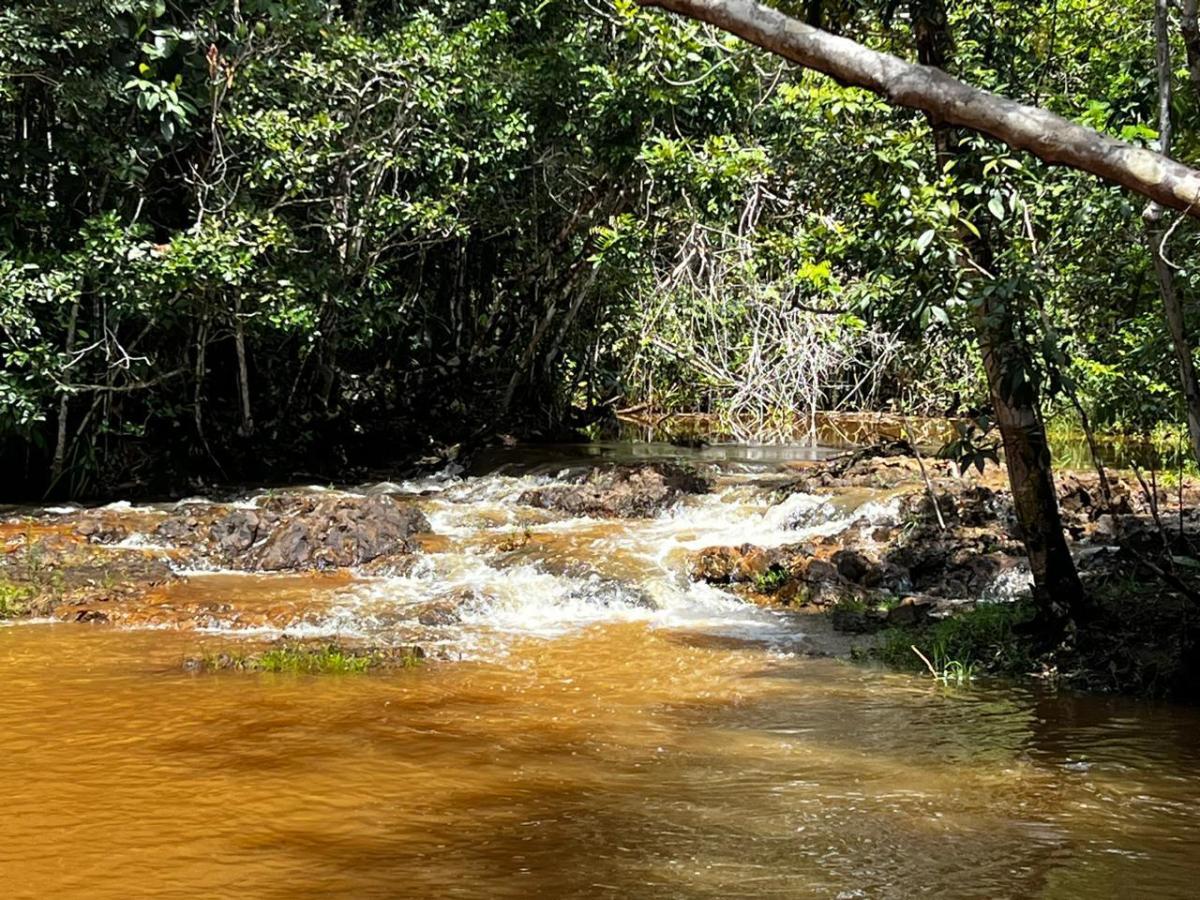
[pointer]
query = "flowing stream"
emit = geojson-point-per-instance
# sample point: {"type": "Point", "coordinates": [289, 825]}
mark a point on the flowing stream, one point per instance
{"type": "Point", "coordinates": [592, 723]}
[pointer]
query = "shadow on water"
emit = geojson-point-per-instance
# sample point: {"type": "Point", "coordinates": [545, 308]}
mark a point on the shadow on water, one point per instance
{"type": "Point", "coordinates": [800, 778]}
{"type": "Point", "coordinates": [839, 784]}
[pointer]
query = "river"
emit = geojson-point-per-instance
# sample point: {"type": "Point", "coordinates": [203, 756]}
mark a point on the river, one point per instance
{"type": "Point", "coordinates": [594, 725]}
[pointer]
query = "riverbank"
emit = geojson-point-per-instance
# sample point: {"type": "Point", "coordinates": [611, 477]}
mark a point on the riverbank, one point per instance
{"type": "Point", "coordinates": [943, 587]}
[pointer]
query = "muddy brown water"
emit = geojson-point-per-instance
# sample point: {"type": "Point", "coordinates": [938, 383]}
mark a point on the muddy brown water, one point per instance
{"type": "Point", "coordinates": [580, 740]}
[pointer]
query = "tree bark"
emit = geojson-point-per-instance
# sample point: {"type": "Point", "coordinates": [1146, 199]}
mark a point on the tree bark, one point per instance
{"type": "Point", "coordinates": [1152, 216]}
{"type": "Point", "coordinates": [60, 443]}
{"type": "Point", "coordinates": [239, 338]}
{"type": "Point", "coordinates": [1057, 589]}
{"type": "Point", "coordinates": [1047, 136]}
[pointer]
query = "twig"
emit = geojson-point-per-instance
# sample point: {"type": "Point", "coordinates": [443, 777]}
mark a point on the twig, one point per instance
{"type": "Point", "coordinates": [1151, 496]}
{"type": "Point", "coordinates": [912, 442]}
{"type": "Point", "coordinates": [925, 659]}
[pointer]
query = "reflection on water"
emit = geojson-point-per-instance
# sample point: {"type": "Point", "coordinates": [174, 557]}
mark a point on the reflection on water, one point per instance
{"type": "Point", "coordinates": [619, 761]}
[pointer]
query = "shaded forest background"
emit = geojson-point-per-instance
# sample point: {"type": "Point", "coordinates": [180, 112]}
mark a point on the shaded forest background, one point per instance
{"type": "Point", "coordinates": [245, 238]}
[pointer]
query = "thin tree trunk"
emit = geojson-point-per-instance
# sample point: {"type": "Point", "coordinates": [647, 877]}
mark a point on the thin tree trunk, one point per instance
{"type": "Point", "coordinates": [1027, 456]}
{"type": "Point", "coordinates": [1156, 231]}
{"type": "Point", "coordinates": [239, 337]}
{"type": "Point", "coordinates": [1057, 588]}
{"type": "Point", "coordinates": [1048, 136]}
{"type": "Point", "coordinates": [60, 443]}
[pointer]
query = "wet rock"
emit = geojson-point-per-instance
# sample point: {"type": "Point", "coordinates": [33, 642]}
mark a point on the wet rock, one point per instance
{"type": "Point", "coordinates": [96, 530]}
{"type": "Point", "coordinates": [290, 532]}
{"type": "Point", "coordinates": [1081, 498]}
{"type": "Point", "coordinates": [715, 565]}
{"type": "Point", "coordinates": [64, 576]}
{"type": "Point", "coordinates": [854, 617]}
{"type": "Point", "coordinates": [338, 532]}
{"type": "Point", "coordinates": [910, 611]}
{"type": "Point", "coordinates": [886, 465]}
{"type": "Point", "coordinates": [818, 571]}
{"type": "Point", "coordinates": [620, 492]}
{"type": "Point", "coordinates": [731, 565]}
{"type": "Point", "coordinates": [236, 532]}
{"type": "Point", "coordinates": [1104, 528]}
{"type": "Point", "coordinates": [855, 566]}
{"type": "Point", "coordinates": [447, 609]}
{"type": "Point", "coordinates": [612, 592]}
{"type": "Point", "coordinates": [440, 613]}
{"type": "Point", "coordinates": [978, 505]}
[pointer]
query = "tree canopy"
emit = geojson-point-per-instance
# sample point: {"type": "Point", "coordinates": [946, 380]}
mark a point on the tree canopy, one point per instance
{"type": "Point", "coordinates": [238, 235]}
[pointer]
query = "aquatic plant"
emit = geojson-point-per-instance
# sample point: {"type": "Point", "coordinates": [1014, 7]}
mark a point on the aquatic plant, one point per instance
{"type": "Point", "coordinates": [300, 659]}
{"type": "Point", "coordinates": [308, 661]}
{"type": "Point", "coordinates": [947, 671]}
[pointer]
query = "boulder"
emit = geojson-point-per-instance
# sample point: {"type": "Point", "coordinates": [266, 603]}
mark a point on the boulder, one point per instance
{"type": "Point", "coordinates": [733, 565]}
{"type": "Point", "coordinates": [856, 566]}
{"type": "Point", "coordinates": [339, 531]}
{"type": "Point", "coordinates": [297, 531]}
{"type": "Point", "coordinates": [910, 611]}
{"type": "Point", "coordinates": [447, 608]}
{"type": "Point", "coordinates": [620, 492]}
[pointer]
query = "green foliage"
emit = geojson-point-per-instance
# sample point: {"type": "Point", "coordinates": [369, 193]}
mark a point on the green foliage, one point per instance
{"type": "Point", "coordinates": [771, 580]}
{"type": "Point", "coordinates": [240, 236]}
{"type": "Point", "coordinates": [303, 659]}
{"type": "Point", "coordinates": [983, 639]}
{"type": "Point", "coordinates": [14, 599]}
{"type": "Point", "coordinates": [327, 660]}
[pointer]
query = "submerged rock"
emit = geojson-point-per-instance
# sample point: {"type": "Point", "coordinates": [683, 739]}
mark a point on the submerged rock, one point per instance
{"type": "Point", "coordinates": [65, 575]}
{"type": "Point", "coordinates": [620, 492]}
{"type": "Point", "coordinates": [447, 608]}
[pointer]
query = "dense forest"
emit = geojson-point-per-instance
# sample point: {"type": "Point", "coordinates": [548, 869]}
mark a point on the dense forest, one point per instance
{"type": "Point", "coordinates": [236, 236]}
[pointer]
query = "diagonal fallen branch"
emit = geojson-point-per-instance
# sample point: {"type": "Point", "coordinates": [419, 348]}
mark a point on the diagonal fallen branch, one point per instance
{"type": "Point", "coordinates": [1047, 136]}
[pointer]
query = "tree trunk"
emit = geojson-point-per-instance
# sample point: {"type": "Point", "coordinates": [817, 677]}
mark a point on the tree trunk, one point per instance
{"type": "Point", "coordinates": [1156, 231]}
{"type": "Point", "coordinates": [243, 380]}
{"type": "Point", "coordinates": [60, 443]}
{"type": "Point", "coordinates": [1044, 134]}
{"type": "Point", "coordinates": [1057, 588]}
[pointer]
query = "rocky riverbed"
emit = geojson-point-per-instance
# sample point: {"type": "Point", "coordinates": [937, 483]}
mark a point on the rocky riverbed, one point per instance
{"type": "Point", "coordinates": [827, 551]}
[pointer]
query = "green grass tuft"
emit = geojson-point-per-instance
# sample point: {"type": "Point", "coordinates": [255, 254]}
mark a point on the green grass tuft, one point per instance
{"type": "Point", "coordinates": [770, 581]}
{"type": "Point", "coordinates": [312, 661]}
{"type": "Point", "coordinates": [301, 659]}
{"type": "Point", "coordinates": [977, 641]}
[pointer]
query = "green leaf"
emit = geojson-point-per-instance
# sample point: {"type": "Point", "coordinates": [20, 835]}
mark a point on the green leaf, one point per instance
{"type": "Point", "coordinates": [996, 207]}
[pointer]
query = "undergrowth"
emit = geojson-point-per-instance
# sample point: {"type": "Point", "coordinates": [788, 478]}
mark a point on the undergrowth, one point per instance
{"type": "Point", "coordinates": [14, 599]}
{"type": "Point", "coordinates": [982, 640]}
